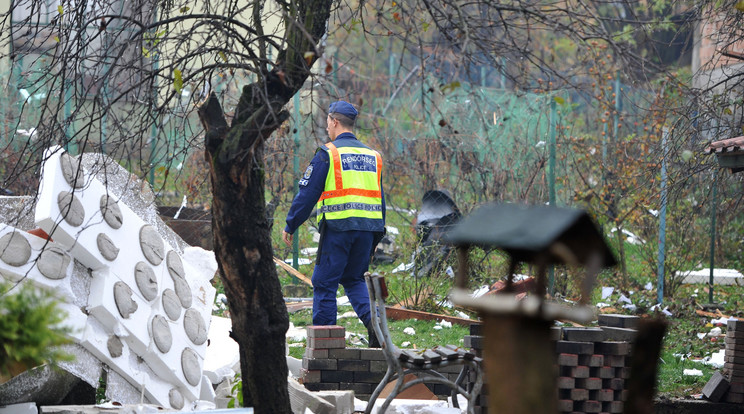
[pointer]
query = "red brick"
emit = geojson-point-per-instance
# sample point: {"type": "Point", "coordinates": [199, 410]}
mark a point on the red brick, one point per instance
{"type": "Point", "coordinates": [612, 348]}
{"type": "Point", "coordinates": [309, 375]}
{"type": "Point", "coordinates": [606, 372]}
{"type": "Point", "coordinates": [589, 383]}
{"type": "Point", "coordinates": [613, 407]}
{"type": "Point", "coordinates": [596, 360]}
{"type": "Point", "coordinates": [602, 395]}
{"type": "Point", "coordinates": [326, 343]}
{"type": "Point", "coordinates": [579, 372]}
{"type": "Point", "coordinates": [568, 360]}
{"type": "Point", "coordinates": [616, 384]}
{"type": "Point", "coordinates": [337, 331]}
{"type": "Point", "coordinates": [565, 406]}
{"type": "Point", "coordinates": [578, 394]}
{"type": "Point", "coordinates": [566, 383]}
{"type": "Point", "coordinates": [318, 331]}
{"type": "Point", "coordinates": [590, 406]}
{"type": "Point", "coordinates": [615, 361]}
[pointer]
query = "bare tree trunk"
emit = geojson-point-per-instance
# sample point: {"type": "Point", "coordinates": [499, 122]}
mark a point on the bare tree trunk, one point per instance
{"type": "Point", "coordinates": [242, 242]}
{"type": "Point", "coordinates": [242, 231]}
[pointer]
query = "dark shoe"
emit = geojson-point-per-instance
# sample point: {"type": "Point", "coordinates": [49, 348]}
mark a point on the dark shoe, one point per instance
{"type": "Point", "coordinates": [373, 341]}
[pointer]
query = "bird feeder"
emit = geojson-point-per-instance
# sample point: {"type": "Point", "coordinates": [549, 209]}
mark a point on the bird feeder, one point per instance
{"type": "Point", "coordinates": [518, 352]}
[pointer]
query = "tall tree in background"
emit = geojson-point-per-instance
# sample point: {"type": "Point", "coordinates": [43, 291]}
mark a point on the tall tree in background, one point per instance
{"type": "Point", "coordinates": [120, 77]}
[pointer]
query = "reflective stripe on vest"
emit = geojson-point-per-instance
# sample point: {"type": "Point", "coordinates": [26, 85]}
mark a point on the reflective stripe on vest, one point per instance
{"type": "Point", "coordinates": [352, 187]}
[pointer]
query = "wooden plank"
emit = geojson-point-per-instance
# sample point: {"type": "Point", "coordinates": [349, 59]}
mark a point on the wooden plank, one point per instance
{"type": "Point", "coordinates": [292, 271]}
{"type": "Point", "coordinates": [412, 356]}
{"type": "Point", "coordinates": [446, 353]}
{"type": "Point", "coordinates": [402, 314]}
{"type": "Point", "coordinates": [432, 357]}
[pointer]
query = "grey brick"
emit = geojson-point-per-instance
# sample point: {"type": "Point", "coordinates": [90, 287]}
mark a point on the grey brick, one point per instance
{"type": "Point", "coordinates": [316, 353]}
{"type": "Point", "coordinates": [336, 376]}
{"type": "Point", "coordinates": [378, 366]}
{"type": "Point", "coordinates": [568, 360]}
{"type": "Point", "coordinates": [316, 364]}
{"type": "Point", "coordinates": [476, 329]}
{"type": "Point", "coordinates": [337, 331]}
{"type": "Point", "coordinates": [716, 387]}
{"type": "Point", "coordinates": [583, 334]}
{"type": "Point", "coordinates": [475, 342]}
{"type": "Point", "coordinates": [310, 376]}
{"type": "Point", "coordinates": [565, 406]}
{"type": "Point", "coordinates": [368, 377]}
{"type": "Point", "coordinates": [322, 386]}
{"type": "Point", "coordinates": [572, 347]}
{"type": "Point", "coordinates": [735, 325]}
{"type": "Point", "coordinates": [596, 360]}
{"type": "Point", "coordinates": [589, 406]}
{"type": "Point", "coordinates": [318, 331]}
{"type": "Point", "coordinates": [371, 354]}
{"type": "Point", "coordinates": [612, 347]}
{"type": "Point", "coordinates": [589, 383]}
{"type": "Point", "coordinates": [618, 321]}
{"type": "Point", "coordinates": [566, 383]}
{"type": "Point", "coordinates": [326, 343]}
{"type": "Point", "coordinates": [353, 365]}
{"type": "Point", "coordinates": [556, 333]}
{"type": "Point", "coordinates": [347, 353]}
{"type": "Point", "coordinates": [618, 334]}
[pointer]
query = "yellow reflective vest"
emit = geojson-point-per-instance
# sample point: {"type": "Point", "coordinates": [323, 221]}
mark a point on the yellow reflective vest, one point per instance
{"type": "Point", "coordinates": [352, 186]}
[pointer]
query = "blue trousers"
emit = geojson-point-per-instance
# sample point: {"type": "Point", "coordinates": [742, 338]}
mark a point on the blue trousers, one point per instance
{"type": "Point", "coordinates": [343, 259]}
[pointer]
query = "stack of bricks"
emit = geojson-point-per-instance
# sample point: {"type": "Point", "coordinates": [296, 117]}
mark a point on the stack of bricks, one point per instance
{"type": "Point", "coordinates": [734, 361]}
{"type": "Point", "coordinates": [329, 365]}
{"type": "Point", "coordinates": [474, 342]}
{"type": "Point", "coordinates": [592, 369]}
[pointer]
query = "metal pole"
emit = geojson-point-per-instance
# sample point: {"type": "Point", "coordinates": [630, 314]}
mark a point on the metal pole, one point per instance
{"type": "Point", "coordinates": [662, 221]}
{"type": "Point", "coordinates": [296, 165]}
{"type": "Point", "coordinates": [551, 179]}
{"type": "Point", "coordinates": [618, 105]}
{"type": "Point", "coordinates": [713, 208]}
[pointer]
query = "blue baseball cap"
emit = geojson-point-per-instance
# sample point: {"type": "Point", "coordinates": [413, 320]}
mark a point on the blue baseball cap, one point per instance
{"type": "Point", "coordinates": [343, 108]}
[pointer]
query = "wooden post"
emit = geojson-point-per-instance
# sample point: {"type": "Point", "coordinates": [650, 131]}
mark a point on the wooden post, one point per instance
{"type": "Point", "coordinates": [519, 362]}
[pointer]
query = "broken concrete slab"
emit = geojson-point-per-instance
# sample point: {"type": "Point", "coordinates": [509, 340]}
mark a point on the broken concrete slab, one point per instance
{"type": "Point", "coordinates": [41, 385]}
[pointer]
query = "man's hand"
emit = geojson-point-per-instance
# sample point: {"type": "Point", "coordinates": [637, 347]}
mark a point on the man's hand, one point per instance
{"type": "Point", "coordinates": [287, 238]}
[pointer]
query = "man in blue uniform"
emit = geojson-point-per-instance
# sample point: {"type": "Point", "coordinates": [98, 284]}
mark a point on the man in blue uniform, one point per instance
{"type": "Point", "coordinates": [344, 181]}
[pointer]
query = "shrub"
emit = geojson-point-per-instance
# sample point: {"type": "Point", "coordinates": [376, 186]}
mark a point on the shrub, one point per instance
{"type": "Point", "coordinates": [30, 329]}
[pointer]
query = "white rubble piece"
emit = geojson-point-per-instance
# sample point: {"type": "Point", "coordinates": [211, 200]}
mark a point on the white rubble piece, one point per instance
{"type": "Point", "coordinates": [300, 399]}
{"type": "Point", "coordinates": [23, 408]}
{"type": "Point", "coordinates": [145, 310]}
{"type": "Point", "coordinates": [404, 406]}
{"type": "Point", "coordinates": [720, 276]}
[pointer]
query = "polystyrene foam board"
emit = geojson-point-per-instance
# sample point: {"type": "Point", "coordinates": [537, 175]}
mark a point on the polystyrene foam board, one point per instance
{"type": "Point", "coordinates": [102, 306]}
{"type": "Point", "coordinates": [59, 288]}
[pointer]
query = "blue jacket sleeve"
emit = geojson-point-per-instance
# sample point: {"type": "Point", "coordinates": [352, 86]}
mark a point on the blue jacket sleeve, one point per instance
{"type": "Point", "coordinates": [311, 186]}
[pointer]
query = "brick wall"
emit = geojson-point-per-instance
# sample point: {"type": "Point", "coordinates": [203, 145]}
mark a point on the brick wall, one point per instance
{"type": "Point", "coordinates": [593, 364]}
